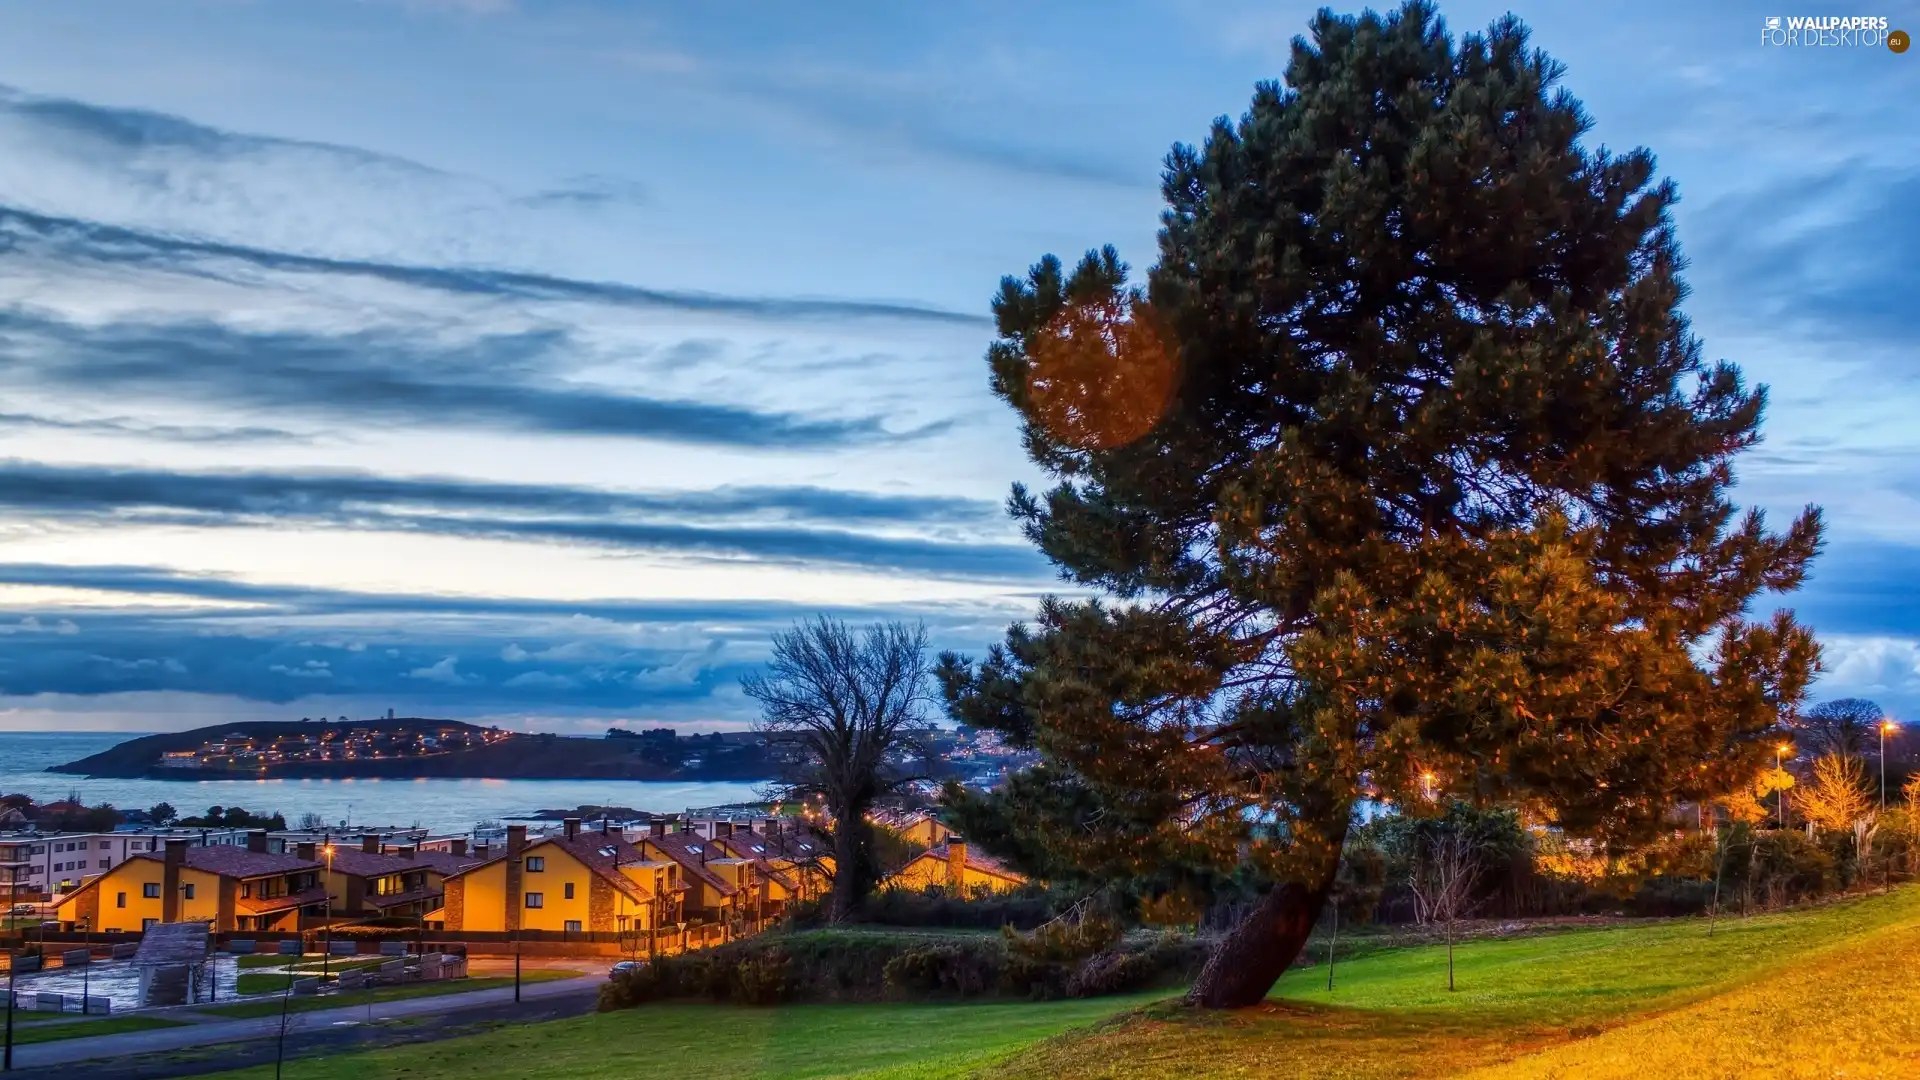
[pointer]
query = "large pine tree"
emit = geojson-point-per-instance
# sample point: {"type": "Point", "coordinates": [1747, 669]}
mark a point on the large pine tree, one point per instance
{"type": "Point", "coordinates": [1403, 472]}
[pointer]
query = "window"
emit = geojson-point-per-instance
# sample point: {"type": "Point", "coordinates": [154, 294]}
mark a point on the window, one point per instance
{"type": "Point", "coordinates": [187, 891]}
{"type": "Point", "coordinates": [148, 924]}
{"type": "Point", "coordinates": [569, 888]}
{"type": "Point", "coordinates": [105, 863]}
{"type": "Point", "coordinates": [572, 926]}
{"type": "Point", "coordinates": [535, 899]}
{"type": "Point", "coordinates": [120, 900]}
{"type": "Point", "coordinates": [246, 890]}
{"type": "Point", "coordinates": [536, 864]}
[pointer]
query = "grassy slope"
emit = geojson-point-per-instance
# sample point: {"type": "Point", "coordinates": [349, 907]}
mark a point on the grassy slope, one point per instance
{"type": "Point", "coordinates": [271, 1006]}
{"type": "Point", "coordinates": [710, 1042]}
{"type": "Point", "coordinates": [78, 1029]}
{"type": "Point", "coordinates": [1640, 1002]}
{"type": "Point", "coordinates": [1391, 1015]}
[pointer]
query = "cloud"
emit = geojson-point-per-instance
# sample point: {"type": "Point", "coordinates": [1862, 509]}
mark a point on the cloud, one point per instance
{"type": "Point", "coordinates": [445, 670]}
{"type": "Point", "coordinates": [493, 382]}
{"type": "Point", "coordinates": [590, 191]}
{"type": "Point", "coordinates": [76, 241]}
{"type": "Point", "coordinates": [32, 625]}
{"type": "Point", "coordinates": [132, 428]}
{"type": "Point", "coordinates": [436, 655]}
{"type": "Point", "coordinates": [768, 524]}
{"type": "Point", "coordinates": [1824, 255]}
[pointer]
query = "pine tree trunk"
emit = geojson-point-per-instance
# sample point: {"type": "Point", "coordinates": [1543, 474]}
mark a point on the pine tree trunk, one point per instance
{"type": "Point", "coordinates": [1261, 946]}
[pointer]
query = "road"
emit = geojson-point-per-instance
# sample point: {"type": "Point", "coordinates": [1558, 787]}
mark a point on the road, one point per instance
{"type": "Point", "coordinates": [321, 1028]}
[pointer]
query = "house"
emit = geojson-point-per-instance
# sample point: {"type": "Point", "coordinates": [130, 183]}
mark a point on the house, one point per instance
{"type": "Point", "coordinates": [797, 860]}
{"type": "Point", "coordinates": [578, 880]}
{"type": "Point", "coordinates": [370, 882]}
{"type": "Point", "coordinates": [233, 888]}
{"type": "Point", "coordinates": [951, 866]}
{"type": "Point", "coordinates": [715, 889]}
{"type": "Point", "coordinates": [918, 828]}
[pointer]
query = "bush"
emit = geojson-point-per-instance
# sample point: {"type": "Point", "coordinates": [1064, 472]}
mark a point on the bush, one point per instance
{"type": "Point", "coordinates": [1663, 895]}
{"type": "Point", "coordinates": [1023, 909]}
{"type": "Point", "coordinates": [943, 970]}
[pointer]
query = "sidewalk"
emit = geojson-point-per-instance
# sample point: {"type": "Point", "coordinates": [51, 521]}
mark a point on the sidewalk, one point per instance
{"type": "Point", "coordinates": [202, 1030]}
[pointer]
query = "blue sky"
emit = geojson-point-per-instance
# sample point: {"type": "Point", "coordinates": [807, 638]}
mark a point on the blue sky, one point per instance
{"type": "Point", "coordinates": [533, 361]}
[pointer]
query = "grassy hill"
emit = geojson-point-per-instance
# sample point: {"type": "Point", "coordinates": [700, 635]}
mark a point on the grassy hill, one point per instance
{"type": "Point", "coordinates": [1823, 992]}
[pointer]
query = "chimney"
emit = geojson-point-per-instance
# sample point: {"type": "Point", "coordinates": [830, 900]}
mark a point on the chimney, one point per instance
{"type": "Point", "coordinates": [257, 841]}
{"type": "Point", "coordinates": [305, 850]}
{"type": "Point", "coordinates": [571, 826]}
{"type": "Point", "coordinates": [405, 852]}
{"type": "Point", "coordinates": [516, 843]}
{"type": "Point", "coordinates": [956, 861]}
{"type": "Point", "coordinates": [615, 833]}
{"type": "Point", "coordinates": [722, 829]}
{"type": "Point", "coordinates": [370, 843]}
{"type": "Point", "coordinates": [657, 827]}
{"type": "Point", "coordinates": [170, 879]}
{"type": "Point", "coordinates": [458, 845]}
{"type": "Point", "coordinates": [770, 826]}
{"type": "Point", "coordinates": [481, 852]}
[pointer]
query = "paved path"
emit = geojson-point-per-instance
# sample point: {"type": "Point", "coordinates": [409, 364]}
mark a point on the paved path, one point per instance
{"type": "Point", "coordinates": [204, 1030]}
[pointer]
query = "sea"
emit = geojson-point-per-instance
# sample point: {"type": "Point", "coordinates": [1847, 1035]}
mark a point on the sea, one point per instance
{"type": "Point", "coordinates": [439, 804]}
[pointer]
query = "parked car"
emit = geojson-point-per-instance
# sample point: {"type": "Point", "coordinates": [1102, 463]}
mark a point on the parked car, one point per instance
{"type": "Point", "coordinates": [625, 966]}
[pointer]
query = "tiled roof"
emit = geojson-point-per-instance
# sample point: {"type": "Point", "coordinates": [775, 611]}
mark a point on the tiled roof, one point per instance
{"type": "Point", "coordinates": [366, 864]}
{"type": "Point", "coordinates": [688, 850]}
{"type": "Point", "coordinates": [444, 862]}
{"type": "Point", "coordinates": [237, 862]}
{"type": "Point", "coordinates": [975, 861]}
{"type": "Point", "coordinates": [602, 854]}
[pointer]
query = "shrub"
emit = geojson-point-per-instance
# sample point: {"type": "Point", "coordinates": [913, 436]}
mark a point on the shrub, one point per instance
{"type": "Point", "coordinates": [943, 969]}
{"type": "Point", "coordinates": [1663, 895]}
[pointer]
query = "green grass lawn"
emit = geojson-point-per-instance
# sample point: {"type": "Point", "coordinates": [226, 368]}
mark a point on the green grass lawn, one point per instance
{"type": "Point", "coordinates": [270, 1006]}
{"type": "Point", "coordinates": [1822, 992]}
{"type": "Point", "coordinates": [263, 960]}
{"type": "Point", "coordinates": [1390, 1014]}
{"type": "Point", "coordinates": [712, 1042]}
{"type": "Point", "coordinates": [40, 1031]}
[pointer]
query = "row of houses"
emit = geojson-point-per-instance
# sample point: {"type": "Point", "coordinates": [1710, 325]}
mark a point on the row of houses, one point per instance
{"type": "Point", "coordinates": [602, 879]}
{"type": "Point", "coordinates": [253, 888]}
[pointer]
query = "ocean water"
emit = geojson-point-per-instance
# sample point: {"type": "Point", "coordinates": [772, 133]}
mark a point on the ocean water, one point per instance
{"type": "Point", "coordinates": [442, 805]}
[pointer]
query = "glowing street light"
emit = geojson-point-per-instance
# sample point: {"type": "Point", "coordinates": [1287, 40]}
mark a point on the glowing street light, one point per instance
{"type": "Point", "coordinates": [1426, 783]}
{"type": "Point", "coordinates": [1886, 728]}
{"type": "Point", "coordinates": [1779, 752]}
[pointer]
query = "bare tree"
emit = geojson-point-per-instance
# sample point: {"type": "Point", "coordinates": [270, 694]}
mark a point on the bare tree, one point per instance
{"type": "Point", "coordinates": [840, 711]}
{"type": "Point", "coordinates": [1442, 880]}
{"type": "Point", "coordinates": [311, 822]}
{"type": "Point", "coordinates": [1844, 727]}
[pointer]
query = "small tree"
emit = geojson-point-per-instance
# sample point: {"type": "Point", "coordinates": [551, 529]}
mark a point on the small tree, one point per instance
{"type": "Point", "coordinates": [839, 711]}
{"type": "Point", "coordinates": [1838, 795]}
{"type": "Point", "coordinates": [312, 822]}
{"type": "Point", "coordinates": [1443, 880]}
{"type": "Point", "coordinates": [163, 814]}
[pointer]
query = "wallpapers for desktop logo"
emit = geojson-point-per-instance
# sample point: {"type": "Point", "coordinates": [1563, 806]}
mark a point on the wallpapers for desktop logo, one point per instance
{"type": "Point", "coordinates": [1833, 32]}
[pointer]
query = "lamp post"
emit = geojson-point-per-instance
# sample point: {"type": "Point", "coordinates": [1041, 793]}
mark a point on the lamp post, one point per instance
{"type": "Point", "coordinates": [327, 955]}
{"type": "Point", "coordinates": [1780, 800]}
{"type": "Point", "coordinates": [1886, 728]}
{"type": "Point", "coordinates": [86, 969]}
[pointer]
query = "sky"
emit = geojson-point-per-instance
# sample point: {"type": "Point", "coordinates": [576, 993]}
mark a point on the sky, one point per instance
{"type": "Point", "coordinates": [534, 362]}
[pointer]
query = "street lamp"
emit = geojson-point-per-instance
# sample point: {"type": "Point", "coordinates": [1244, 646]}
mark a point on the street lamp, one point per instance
{"type": "Point", "coordinates": [1886, 728]}
{"type": "Point", "coordinates": [1779, 753]}
{"type": "Point", "coordinates": [327, 955]}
